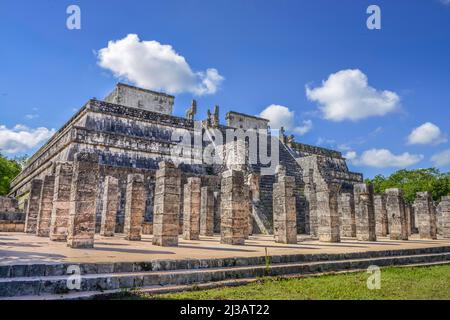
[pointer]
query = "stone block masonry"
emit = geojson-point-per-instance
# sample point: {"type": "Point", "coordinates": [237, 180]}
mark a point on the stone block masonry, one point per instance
{"type": "Point", "coordinates": [46, 206]}
{"type": "Point", "coordinates": [365, 214]}
{"type": "Point", "coordinates": [134, 207]}
{"type": "Point", "coordinates": [327, 212]}
{"type": "Point", "coordinates": [381, 218]}
{"type": "Point", "coordinates": [110, 206]}
{"type": "Point", "coordinates": [167, 205]}
{"type": "Point", "coordinates": [284, 210]}
{"type": "Point", "coordinates": [81, 227]}
{"type": "Point", "coordinates": [61, 201]}
{"type": "Point", "coordinates": [445, 216]}
{"type": "Point", "coordinates": [347, 214]}
{"type": "Point", "coordinates": [207, 211]}
{"type": "Point", "coordinates": [426, 216]}
{"type": "Point", "coordinates": [234, 215]}
{"type": "Point", "coordinates": [395, 207]}
{"type": "Point", "coordinates": [32, 211]}
{"type": "Point", "coordinates": [191, 209]}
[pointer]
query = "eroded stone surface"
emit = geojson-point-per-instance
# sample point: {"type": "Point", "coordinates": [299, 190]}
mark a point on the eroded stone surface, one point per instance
{"type": "Point", "coordinates": [445, 216]}
{"type": "Point", "coordinates": [207, 211]}
{"type": "Point", "coordinates": [234, 214]}
{"type": "Point", "coordinates": [328, 214]}
{"type": "Point", "coordinates": [284, 214]}
{"type": "Point", "coordinates": [347, 214]}
{"type": "Point", "coordinates": [81, 227]}
{"type": "Point", "coordinates": [32, 211]}
{"type": "Point", "coordinates": [365, 214]}
{"type": "Point", "coordinates": [45, 206]}
{"type": "Point", "coordinates": [381, 218]}
{"type": "Point", "coordinates": [110, 206]}
{"type": "Point", "coordinates": [191, 209]}
{"type": "Point", "coordinates": [167, 205]}
{"type": "Point", "coordinates": [426, 216]}
{"type": "Point", "coordinates": [61, 201]}
{"type": "Point", "coordinates": [134, 207]}
{"type": "Point", "coordinates": [395, 206]}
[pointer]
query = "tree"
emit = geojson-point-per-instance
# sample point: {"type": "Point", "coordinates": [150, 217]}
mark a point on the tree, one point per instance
{"type": "Point", "coordinates": [413, 181]}
{"type": "Point", "coordinates": [9, 168]}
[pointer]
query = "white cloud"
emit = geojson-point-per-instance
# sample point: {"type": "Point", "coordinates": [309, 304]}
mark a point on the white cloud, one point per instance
{"type": "Point", "coordinates": [441, 159]}
{"type": "Point", "coordinates": [152, 65]}
{"type": "Point", "coordinates": [350, 155]}
{"type": "Point", "coordinates": [281, 116]}
{"type": "Point", "coordinates": [446, 2]}
{"type": "Point", "coordinates": [21, 138]}
{"type": "Point", "coordinates": [427, 133]}
{"type": "Point", "coordinates": [346, 95]}
{"type": "Point", "coordinates": [383, 158]}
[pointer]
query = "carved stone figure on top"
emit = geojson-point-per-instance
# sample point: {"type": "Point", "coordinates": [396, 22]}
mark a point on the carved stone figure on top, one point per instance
{"type": "Point", "coordinates": [190, 113]}
{"type": "Point", "coordinates": [290, 140]}
{"type": "Point", "coordinates": [215, 117]}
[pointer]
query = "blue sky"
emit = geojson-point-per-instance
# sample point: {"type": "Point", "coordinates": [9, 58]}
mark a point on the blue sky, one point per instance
{"type": "Point", "coordinates": [368, 89]}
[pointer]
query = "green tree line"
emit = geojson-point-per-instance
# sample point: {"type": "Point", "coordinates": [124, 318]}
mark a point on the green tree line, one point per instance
{"type": "Point", "coordinates": [413, 181]}
{"type": "Point", "coordinates": [9, 168]}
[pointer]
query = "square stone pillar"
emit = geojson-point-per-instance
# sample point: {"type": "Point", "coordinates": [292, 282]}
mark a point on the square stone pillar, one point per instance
{"type": "Point", "coordinates": [381, 218]}
{"type": "Point", "coordinates": [191, 209]}
{"type": "Point", "coordinates": [167, 205]}
{"type": "Point", "coordinates": [365, 214]}
{"type": "Point", "coordinates": [284, 210]}
{"type": "Point", "coordinates": [234, 215]}
{"type": "Point", "coordinates": [110, 206]}
{"type": "Point", "coordinates": [83, 194]}
{"type": "Point", "coordinates": [207, 211]}
{"type": "Point", "coordinates": [395, 207]}
{"type": "Point", "coordinates": [311, 200]}
{"type": "Point", "coordinates": [445, 216]}
{"type": "Point", "coordinates": [32, 211]}
{"type": "Point", "coordinates": [134, 207]}
{"type": "Point", "coordinates": [408, 218]}
{"type": "Point", "coordinates": [347, 214]}
{"type": "Point", "coordinates": [46, 206]}
{"type": "Point", "coordinates": [61, 201]}
{"type": "Point", "coordinates": [327, 211]}
{"type": "Point", "coordinates": [426, 216]}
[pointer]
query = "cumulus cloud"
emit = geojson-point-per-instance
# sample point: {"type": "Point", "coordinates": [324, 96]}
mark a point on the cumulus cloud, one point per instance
{"type": "Point", "coordinates": [155, 66]}
{"type": "Point", "coordinates": [346, 95]}
{"type": "Point", "coordinates": [383, 158]}
{"type": "Point", "coordinates": [21, 138]}
{"type": "Point", "coordinates": [441, 159]}
{"type": "Point", "coordinates": [427, 133]}
{"type": "Point", "coordinates": [281, 116]}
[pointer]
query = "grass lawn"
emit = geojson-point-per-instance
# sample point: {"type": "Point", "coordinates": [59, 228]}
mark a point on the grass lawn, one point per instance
{"type": "Point", "coordinates": [396, 283]}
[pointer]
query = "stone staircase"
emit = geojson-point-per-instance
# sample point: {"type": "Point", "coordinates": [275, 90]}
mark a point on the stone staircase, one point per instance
{"type": "Point", "coordinates": [49, 281]}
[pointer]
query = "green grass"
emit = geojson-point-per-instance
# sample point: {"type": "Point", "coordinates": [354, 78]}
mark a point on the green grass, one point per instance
{"type": "Point", "coordinates": [396, 283]}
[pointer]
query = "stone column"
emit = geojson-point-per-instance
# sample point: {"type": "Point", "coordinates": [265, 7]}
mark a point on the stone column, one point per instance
{"type": "Point", "coordinates": [311, 199]}
{"type": "Point", "coordinates": [134, 207]}
{"type": "Point", "coordinates": [167, 205]}
{"type": "Point", "coordinates": [426, 215]}
{"type": "Point", "coordinates": [327, 211]}
{"type": "Point", "coordinates": [347, 214]}
{"type": "Point", "coordinates": [46, 206]}
{"type": "Point", "coordinates": [207, 211]}
{"type": "Point", "coordinates": [412, 219]}
{"type": "Point", "coordinates": [110, 206]}
{"type": "Point", "coordinates": [61, 201]}
{"type": "Point", "coordinates": [365, 214]}
{"type": "Point", "coordinates": [191, 209]}
{"type": "Point", "coordinates": [445, 216]}
{"type": "Point", "coordinates": [284, 210]}
{"type": "Point", "coordinates": [33, 206]}
{"type": "Point", "coordinates": [233, 208]}
{"type": "Point", "coordinates": [381, 218]}
{"type": "Point", "coordinates": [408, 218]}
{"type": "Point", "coordinates": [395, 207]}
{"type": "Point", "coordinates": [83, 194]}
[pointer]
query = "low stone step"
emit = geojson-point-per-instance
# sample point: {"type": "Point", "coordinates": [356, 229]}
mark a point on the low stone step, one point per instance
{"type": "Point", "coordinates": [34, 286]}
{"type": "Point", "coordinates": [159, 289]}
{"type": "Point", "coordinates": [60, 269]}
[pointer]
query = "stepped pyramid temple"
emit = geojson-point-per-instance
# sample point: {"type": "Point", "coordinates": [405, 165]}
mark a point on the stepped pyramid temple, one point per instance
{"type": "Point", "coordinates": [125, 164]}
{"type": "Point", "coordinates": [125, 195]}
